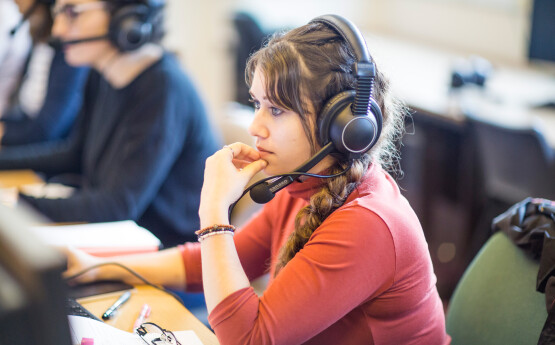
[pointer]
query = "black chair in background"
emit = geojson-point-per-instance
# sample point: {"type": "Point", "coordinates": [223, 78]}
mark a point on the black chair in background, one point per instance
{"type": "Point", "coordinates": [513, 164]}
{"type": "Point", "coordinates": [250, 39]}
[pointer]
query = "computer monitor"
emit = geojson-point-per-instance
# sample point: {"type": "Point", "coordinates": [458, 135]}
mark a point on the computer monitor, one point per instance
{"type": "Point", "coordinates": [32, 292]}
{"type": "Point", "coordinates": [542, 31]}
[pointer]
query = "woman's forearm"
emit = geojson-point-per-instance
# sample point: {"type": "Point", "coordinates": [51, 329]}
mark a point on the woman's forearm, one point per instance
{"type": "Point", "coordinates": [162, 268]}
{"type": "Point", "coordinates": [222, 273]}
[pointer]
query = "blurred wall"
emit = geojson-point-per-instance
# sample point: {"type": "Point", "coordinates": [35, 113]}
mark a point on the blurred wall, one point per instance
{"type": "Point", "coordinates": [494, 29]}
{"type": "Point", "coordinates": [201, 34]}
{"type": "Point", "coordinates": [201, 31]}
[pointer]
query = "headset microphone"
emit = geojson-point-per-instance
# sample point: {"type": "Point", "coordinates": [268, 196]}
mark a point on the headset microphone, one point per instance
{"type": "Point", "coordinates": [264, 192]}
{"type": "Point", "coordinates": [26, 16]}
{"type": "Point", "coordinates": [57, 43]}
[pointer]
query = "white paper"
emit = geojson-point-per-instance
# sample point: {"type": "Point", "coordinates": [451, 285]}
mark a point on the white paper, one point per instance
{"type": "Point", "coordinates": [97, 235]}
{"type": "Point", "coordinates": [103, 334]}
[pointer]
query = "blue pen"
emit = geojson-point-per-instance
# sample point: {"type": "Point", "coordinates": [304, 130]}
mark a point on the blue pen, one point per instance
{"type": "Point", "coordinates": [122, 299]}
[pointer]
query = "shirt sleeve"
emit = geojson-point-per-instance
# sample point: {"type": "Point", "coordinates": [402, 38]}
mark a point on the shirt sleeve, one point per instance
{"type": "Point", "coordinates": [51, 158]}
{"type": "Point", "coordinates": [336, 271]}
{"type": "Point", "coordinates": [253, 246]}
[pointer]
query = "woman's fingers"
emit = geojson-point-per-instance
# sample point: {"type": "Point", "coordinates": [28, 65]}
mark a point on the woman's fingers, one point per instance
{"type": "Point", "coordinates": [78, 262]}
{"type": "Point", "coordinates": [243, 152]}
{"type": "Point", "coordinates": [240, 164]}
{"type": "Point", "coordinates": [253, 168]}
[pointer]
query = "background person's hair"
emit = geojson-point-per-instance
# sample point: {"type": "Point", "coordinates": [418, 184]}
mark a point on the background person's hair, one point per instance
{"type": "Point", "coordinates": [303, 68]}
{"type": "Point", "coordinates": [42, 22]}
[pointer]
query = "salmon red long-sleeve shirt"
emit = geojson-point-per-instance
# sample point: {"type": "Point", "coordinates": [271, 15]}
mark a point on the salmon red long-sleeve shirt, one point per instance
{"type": "Point", "coordinates": [364, 277]}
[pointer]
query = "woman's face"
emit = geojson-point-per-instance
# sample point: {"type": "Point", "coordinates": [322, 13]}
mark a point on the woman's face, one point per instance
{"type": "Point", "coordinates": [279, 134]}
{"type": "Point", "coordinates": [79, 19]}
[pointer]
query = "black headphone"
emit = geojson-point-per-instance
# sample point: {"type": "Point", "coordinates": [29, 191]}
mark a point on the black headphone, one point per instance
{"type": "Point", "coordinates": [351, 120]}
{"type": "Point", "coordinates": [136, 23]}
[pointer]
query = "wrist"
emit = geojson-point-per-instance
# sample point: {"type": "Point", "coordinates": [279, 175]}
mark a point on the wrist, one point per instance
{"type": "Point", "coordinates": [211, 217]}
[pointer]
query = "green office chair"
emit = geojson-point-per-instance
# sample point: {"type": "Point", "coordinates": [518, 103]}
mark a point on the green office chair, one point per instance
{"type": "Point", "coordinates": [496, 301]}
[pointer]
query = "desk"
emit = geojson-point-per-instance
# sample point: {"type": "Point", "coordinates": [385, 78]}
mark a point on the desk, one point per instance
{"type": "Point", "coordinates": [18, 178]}
{"type": "Point", "coordinates": [166, 312]}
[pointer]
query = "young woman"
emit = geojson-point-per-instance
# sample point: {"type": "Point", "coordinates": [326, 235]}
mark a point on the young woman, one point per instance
{"type": "Point", "coordinates": [142, 136]}
{"type": "Point", "coordinates": [347, 257]}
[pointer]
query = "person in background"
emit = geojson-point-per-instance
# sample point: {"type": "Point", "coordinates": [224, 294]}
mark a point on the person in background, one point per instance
{"type": "Point", "coordinates": [142, 136]}
{"type": "Point", "coordinates": [347, 256]}
{"type": "Point", "coordinates": [50, 93]}
{"type": "Point", "coordinates": [14, 48]}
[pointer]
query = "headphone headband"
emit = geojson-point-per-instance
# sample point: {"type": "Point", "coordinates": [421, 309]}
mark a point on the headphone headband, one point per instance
{"type": "Point", "coordinates": [149, 3]}
{"type": "Point", "coordinates": [349, 32]}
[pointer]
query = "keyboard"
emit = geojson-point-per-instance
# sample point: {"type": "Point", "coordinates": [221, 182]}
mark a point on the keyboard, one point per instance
{"type": "Point", "coordinates": [75, 308]}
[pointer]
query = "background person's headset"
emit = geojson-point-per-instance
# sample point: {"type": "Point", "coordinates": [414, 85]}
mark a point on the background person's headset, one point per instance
{"type": "Point", "coordinates": [136, 23]}
{"type": "Point", "coordinates": [350, 122]}
{"type": "Point", "coordinates": [132, 24]}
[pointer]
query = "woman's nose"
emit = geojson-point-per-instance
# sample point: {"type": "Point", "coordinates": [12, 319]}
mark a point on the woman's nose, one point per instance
{"type": "Point", "coordinates": [59, 27]}
{"type": "Point", "coordinates": [258, 127]}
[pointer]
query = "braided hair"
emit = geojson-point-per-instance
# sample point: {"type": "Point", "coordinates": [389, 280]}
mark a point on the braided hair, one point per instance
{"type": "Point", "coordinates": [303, 68]}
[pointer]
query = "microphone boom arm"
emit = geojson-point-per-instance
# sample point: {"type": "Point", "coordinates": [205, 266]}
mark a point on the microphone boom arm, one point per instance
{"type": "Point", "coordinates": [285, 181]}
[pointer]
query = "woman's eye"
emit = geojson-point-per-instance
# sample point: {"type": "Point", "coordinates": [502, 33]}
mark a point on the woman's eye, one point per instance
{"type": "Point", "coordinates": [255, 103]}
{"type": "Point", "coordinates": [276, 111]}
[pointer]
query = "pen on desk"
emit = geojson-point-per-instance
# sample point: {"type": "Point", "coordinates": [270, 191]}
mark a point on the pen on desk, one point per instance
{"type": "Point", "coordinates": [145, 312]}
{"type": "Point", "coordinates": [122, 299]}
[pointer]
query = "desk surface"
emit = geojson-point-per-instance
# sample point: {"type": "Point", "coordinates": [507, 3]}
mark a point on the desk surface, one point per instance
{"type": "Point", "coordinates": [166, 312]}
{"type": "Point", "coordinates": [18, 178]}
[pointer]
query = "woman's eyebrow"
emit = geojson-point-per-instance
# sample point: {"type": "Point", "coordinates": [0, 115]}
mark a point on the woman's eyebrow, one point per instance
{"type": "Point", "coordinates": [251, 94]}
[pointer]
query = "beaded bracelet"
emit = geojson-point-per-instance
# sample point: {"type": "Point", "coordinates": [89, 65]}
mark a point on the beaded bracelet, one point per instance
{"type": "Point", "coordinates": [213, 233]}
{"type": "Point", "coordinates": [214, 228]}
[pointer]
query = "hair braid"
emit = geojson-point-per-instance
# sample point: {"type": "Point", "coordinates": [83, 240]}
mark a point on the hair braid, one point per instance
{"type": "Point", "coordinates": [332, 196]}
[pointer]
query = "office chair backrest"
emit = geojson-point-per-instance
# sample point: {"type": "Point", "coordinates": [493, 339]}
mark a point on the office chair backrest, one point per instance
{"type": "Point", "coordinates": [250, 37]}
{"type": "Point", "coordinates": [517, 162]}
{"type": "Point", "coordinates": [496, 301]}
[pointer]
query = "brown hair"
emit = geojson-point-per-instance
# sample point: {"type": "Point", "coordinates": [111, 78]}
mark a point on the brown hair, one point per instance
{"type": "Point", "coordinates": [41, 23]}
{"type": "Point", "coordinates": [303, 68]}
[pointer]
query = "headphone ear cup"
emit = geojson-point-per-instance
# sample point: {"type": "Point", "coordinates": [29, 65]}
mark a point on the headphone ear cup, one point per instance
{"type": "Point", "coordinates": [330, 111]}
{"type": "Point", "coordinates": [351, 135]}
{"type": "Point", "coordinates": [376, 113]}
{"type": "Point", "coordinates": [130, 28]}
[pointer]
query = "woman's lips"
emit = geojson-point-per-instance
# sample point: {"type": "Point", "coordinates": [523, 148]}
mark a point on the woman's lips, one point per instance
{"type": "Point", "coordinates": [263, 152]}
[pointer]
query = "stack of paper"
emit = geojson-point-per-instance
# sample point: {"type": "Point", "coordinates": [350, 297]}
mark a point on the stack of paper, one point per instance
{"type": "Point", "coordinates": [101, 239]}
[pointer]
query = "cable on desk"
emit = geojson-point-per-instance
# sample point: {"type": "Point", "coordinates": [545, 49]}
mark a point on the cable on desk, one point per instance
{"type": "Point", "coordinates": [134, 273]}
